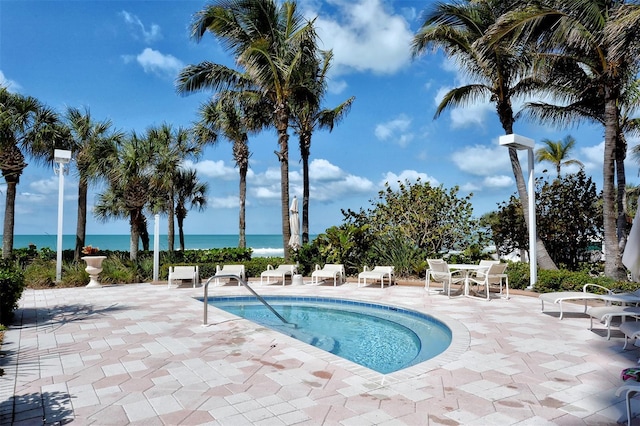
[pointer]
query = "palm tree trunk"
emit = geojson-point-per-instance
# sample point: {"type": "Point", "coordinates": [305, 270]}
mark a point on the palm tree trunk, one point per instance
{"type": "Point", "coordinates": [305, 144]}
{"type": "Point", "coordinates": [613, 267]}
{"type": "Point", "coordinates": [171, 224]}
{"type": "Point", "coordinates": [81, 227]}
{"type": "Point", "coordinates": [282, 123]}
{"type": "Point", "coordinates": [621, 224]}
{"type": "Point", "coordinates": [242, 240]}
{"type": "Point", "coordinates": [180, 220]}
{"type": "Point", "coordinates": [9, 219]}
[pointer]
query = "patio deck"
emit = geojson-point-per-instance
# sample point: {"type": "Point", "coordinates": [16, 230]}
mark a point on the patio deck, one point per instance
{"type": "Point", "coordinates": [138, 354]}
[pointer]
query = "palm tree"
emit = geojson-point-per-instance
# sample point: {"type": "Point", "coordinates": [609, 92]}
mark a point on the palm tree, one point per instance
{"type": "Point", "coordinates": [91, 144]}
{"type": "Point", "coordinates": [130, 188]}
{"type": "Point", "coordinates": [169, 149]}
{"type": "Point", "coordinates": [26, 127]}
{"type": "Point", "coordinates": [556, 152]}
{"type": "Point", "coordinates": [190, 192]}
{"type": "Point", "coordinates": [498, 70]}
{"type": "Point", "coordinates": [270, 41]}
{"type": "Point", "coordinates": [306, 117]}
{"type": "Point", "coordinates": [234, 115]}
{"type": "Point", "coordinates": [597, 39]}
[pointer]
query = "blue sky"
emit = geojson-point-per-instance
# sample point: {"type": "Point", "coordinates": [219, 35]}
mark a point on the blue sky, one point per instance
{"type": "Point", "coordinates": [120, 60]}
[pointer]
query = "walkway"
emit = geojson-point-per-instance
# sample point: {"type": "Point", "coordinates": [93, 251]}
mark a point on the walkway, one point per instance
{"type": "Point", "coordinates": [138, 354]}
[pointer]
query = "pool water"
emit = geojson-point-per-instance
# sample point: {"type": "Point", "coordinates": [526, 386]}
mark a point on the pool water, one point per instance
{"type": "Point", "coordinates": [379, 337]}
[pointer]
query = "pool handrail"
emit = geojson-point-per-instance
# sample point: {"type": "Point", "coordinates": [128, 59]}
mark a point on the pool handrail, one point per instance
{"type": "Point", "coordinates": [246, 285]}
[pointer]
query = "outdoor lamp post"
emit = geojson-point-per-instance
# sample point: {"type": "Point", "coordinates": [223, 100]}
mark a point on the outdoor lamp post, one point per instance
{"type": "Point", "coordinates": [61, 157]}
{"type": "Point", "coordinates": [520, 142]}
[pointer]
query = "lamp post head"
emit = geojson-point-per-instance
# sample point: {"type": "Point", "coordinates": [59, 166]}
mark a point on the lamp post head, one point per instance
{"type": "Point", "coordinates": [516, 141]}
{"type": "Point", "coordinates": [61, 156]}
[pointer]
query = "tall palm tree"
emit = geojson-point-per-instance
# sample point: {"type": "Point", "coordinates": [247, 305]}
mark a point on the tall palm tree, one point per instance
{"type": "Point", "coordinates": [556, 152]}
{"type": "Point", "coordinates": [27, 128]}
{"type": "Point", "coordinates": [190, 192]}
{"type": "Point", "coordinates": [233, 115]}
{"type": "Point", "coordinates": [306, 116]}
{"type": "Point", "coordinates": [91, 144]}
{"type": "Point", "coordinates": [269, 41]}
{"type": "Point", "coordinates": [499, 71]}
{"type": "Point", "coordinates": [597, 39]}
{"type": "Point", "coordinates": [170, 147]}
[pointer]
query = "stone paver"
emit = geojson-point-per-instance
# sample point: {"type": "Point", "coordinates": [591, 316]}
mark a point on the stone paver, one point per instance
{"type": "Point", "coordinates": [139, 354]}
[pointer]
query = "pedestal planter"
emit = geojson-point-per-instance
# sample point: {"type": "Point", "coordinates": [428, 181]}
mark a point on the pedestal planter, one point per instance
{"type": "Point", "coordinates": [94, 267]}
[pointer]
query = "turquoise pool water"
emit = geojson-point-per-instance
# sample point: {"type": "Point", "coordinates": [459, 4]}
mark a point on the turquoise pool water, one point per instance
{"type": "Point", "coordinates": [382, 338]}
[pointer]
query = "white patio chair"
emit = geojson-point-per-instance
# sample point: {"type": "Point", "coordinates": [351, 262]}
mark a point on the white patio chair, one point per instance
{"type": "Point", "coordinates": [439, 272]}
{"type": "Point", "coordinates": [186, 273]}
{"type": "Point", "coordinates": [495, 275]}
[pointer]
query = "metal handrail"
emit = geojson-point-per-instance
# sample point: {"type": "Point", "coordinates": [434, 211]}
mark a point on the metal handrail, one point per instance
{"type": "Point", "coordinates": [244, 283]}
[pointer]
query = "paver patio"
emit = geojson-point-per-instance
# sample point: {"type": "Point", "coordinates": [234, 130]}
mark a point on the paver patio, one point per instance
{"type": "Point", "coordinates": [138, 354]}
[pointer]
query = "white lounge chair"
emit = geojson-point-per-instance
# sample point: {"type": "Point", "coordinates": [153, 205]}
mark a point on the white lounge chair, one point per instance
{"type": "Point", "coordinates": [629, 389]}
{"type": "Point", "coordinates": [607, 313]}
{"type": "Point", "coordinates": [190, 273]}
{"type": "Point", "coordinates": [609, 297]}
{"type": "Point", "coordinates": [280, 272]}
{"type": "Point", "coordinates": [237, 270]}
{"type": "Point", "coordinates": [439, 272]}
{"type": "Point", "coordinates": [330, 270]}
{"type": "Point", "coordinates": [631, 331]}
{"type": "Point", "coordinates": [377, 273]}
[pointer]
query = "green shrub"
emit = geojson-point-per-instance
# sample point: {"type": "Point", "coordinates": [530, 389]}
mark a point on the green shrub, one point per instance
{"type": "Point", "coordinates": [11, 288]}
{"type": "Point", "coordinates": [40, 273]}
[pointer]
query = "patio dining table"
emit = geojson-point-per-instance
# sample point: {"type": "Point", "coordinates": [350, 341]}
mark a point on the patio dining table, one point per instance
{"type": "Point", "coordinates": [467, 268]}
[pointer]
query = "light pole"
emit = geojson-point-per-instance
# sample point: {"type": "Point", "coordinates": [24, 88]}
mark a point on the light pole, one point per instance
{"type": "Point", "coordinates": [520, 142]}
{"type": "Point", "coordinates": [61, 157]}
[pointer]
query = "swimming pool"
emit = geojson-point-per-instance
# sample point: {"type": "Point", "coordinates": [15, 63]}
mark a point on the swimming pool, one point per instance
{"type": "Point", "coordinates": [383, 338]}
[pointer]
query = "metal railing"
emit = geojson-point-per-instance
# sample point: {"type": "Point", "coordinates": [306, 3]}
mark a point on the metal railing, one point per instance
{"type": "Point", "coordinates": [246, 285]}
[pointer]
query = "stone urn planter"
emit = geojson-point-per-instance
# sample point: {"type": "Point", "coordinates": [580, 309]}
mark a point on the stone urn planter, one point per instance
{"type": "Point", "coordinates": [94, 267]}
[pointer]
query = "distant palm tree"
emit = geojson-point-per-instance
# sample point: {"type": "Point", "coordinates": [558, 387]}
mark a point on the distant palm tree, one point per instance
{"type": "Point", "coordinates": [169, 148]}
{"type": "Point", "coordinates": [91, 144]}
{"type": "Point", "coordinates": [556, 152]}
{"type": "Point", "coordinates": [130, 188]}
{"type": "Point", "coordinates": [270, 41]}
{"type": "Point", "coordinates": [499, 71]}
{"type": "Point", "coordinates": [26, 127]}
{"type": "Point", "coordinates": [306, 116]}
{"type": "Point", "coordinates": [190, 192]}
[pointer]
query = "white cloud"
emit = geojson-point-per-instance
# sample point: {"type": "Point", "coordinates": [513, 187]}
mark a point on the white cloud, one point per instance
{"type": "Point", "coordinates": [406, 175]}
{"type": "Point", "coordinates": [10, 85]}
{"type": "Point", "coordinates": [323, 170]}
{"type": "Point", "coordinates": [152, 61]}
{"type": "Point", "coordinates": [592, 156]}
{"type": "Point", "coordinates": [364, 36]}
{"type": "Point", "coordinates": [498, 181]}
{"type": "Point", "coordinates": [482, 160]}
{"type": "Point", "coordinates": [45, 186]}
{"type": "Point", "coordinates": [213, 169]}
{"type": "Point", "coordinates": [396, 129]}
{"type": "Point", "coordinates": [150, 35]}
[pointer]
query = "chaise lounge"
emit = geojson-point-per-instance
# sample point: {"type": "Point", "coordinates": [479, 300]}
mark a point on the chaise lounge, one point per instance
{"type": "Point", "coordinates": [378, 273]}
{"type": "Point", "coordinates": [608, 297]}
{"type": "Point", "coordinates": [280, 272]}
{"type": "Point", "coordinates": [335, 271]}
{"type": "Point", "coordinates": [226, 270]}
{"type": "Point", "coordinates": [186, 273]}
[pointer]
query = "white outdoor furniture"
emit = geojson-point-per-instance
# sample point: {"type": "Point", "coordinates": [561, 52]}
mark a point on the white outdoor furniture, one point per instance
{"type": "Point", "coordinates": [190, 273]}
{"type": "Point", "coordinates": [237, 270]}
{"type": "Point", "coordinates": [375, 274]}
{"type": "Point", "coordinates": [439, 272]}
{"type": "Point", "coordinates": [607, 313]}
{"type": "Point", "coordinates": [330, 270]}
{"type": "Point", "coordinates": [494, 275]}
{"type": "Point", "coordinates": [280, 272]}
{"type": "Point", "coordinates": [629, 389]}
{"type": "Point", "coordinates": [609, 297]}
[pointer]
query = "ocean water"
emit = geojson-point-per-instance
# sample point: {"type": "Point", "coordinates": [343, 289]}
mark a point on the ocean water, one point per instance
{"type": "Point", "coordinates": [262, 245]}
